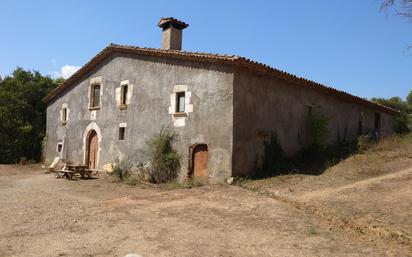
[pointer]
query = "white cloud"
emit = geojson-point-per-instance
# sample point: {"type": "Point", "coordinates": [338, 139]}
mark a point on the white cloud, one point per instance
{"type": "Point", "coordinates": [65, 72]}
{"type": "Point", "coordinates": [68, 70]}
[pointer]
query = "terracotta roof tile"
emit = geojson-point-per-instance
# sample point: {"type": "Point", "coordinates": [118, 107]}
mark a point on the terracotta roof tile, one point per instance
{"type": "Point", "coordinates": [166, 22]}
{"type": "Point", "coordinates": [218, 58]}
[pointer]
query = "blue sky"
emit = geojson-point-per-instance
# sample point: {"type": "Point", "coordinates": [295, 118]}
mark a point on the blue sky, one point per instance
{"type": "Point", "coordinates": [349, 45]}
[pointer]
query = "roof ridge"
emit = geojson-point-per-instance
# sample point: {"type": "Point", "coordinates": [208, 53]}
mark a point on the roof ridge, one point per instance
{"type": "Point", "coordinates": [173, 50]}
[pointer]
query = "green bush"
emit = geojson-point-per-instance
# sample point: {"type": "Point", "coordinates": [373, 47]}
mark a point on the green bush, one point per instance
{"type": "Point", "coordinates": [317, 133]}
{"type": "Point", "coordinates": [43, 149]}
{"type": "Point", "coordinates": [187, 184]}
{"type": "Point", "coordinates": [130, 180]}
{"type": "Point", "coordinates": [402, 122]}
{"type": "Point", "coordinates": [364, 142]}
{"type": "Point", "coordinates": [122, 169]}
{"type": "Point", "coordinates": [164, 160]}
{"type": "Point", "coordinates": [272, 157]}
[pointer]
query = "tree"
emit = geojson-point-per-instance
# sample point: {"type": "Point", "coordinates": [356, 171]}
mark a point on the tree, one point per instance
{"type": "Point", "coordinates": [402, 7]}
{"type": "Point", "coordinates": [23, 114]}
{"type": "Point", "coordinates": [401, 122]}
{"type": "Point", "coordinates": [409, 99]}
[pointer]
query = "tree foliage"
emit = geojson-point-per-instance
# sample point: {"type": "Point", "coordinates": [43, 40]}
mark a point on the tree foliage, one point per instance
{"type": "Point", "coordinates": [402, 123]}
{"type": "Point", "coordinates": [317, 132]}
{"type": "Point", "coordinates": [22, 114]}
{"type": "Point", "coordinates": [272, 159]}
{"type": "Point", "coordinates": [164, 159]}
{"type": "Point", "coordinates": [401, 7]}
{"type": "Point", "coordinates": [409, 99]}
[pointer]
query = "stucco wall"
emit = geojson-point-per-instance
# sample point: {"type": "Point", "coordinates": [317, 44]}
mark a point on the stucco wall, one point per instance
{"type": "Point", "coordinates": [153, 80]}
{"type": "Point", "coordinates": [264, 104]}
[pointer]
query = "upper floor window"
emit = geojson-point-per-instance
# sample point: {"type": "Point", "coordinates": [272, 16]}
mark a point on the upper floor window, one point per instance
{"type": "Point", "coordinates": [180, 102]}
{"type": "Point", "coordinates": [95, 96]}
{"type": "Point", "coordinates": [123, 95]}
{"type": "Point", "coordinates": [64, 115]}
{"type": "Point", "coordinates": [180, 105]}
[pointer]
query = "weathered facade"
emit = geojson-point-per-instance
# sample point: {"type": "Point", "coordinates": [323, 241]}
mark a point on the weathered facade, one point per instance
{"type": "Point", "coordinates": [222, 108]}
{"type": "Point", "coordinates": [265, 104]}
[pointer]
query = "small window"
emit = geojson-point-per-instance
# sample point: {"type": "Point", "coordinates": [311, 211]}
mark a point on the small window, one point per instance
{"type": "Point", "coordinates": [95, 96]}
{"type": "Point", "coordinates": [64, 116]}
{"type": "Point", "coordinates": [59, 147]}
{"type": "Point", "coordinates": [310, 108]}
{"type": "Point", "coordinates": [377, 120]}
{"type": "Point", "coordinates": [180, 102]}
{"type": "Point", "coordinates": [122, 132]}
{"type": "Point", "coordinates": [360, 124]}
{"type": "Point", "coordinates": [123, 99]}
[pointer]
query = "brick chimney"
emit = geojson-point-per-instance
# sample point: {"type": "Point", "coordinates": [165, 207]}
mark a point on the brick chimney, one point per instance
{"type": "Point", "coordinates": [172, 33]}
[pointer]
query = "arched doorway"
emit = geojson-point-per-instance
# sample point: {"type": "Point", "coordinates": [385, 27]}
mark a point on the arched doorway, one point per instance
{"type": "Point", "coordinates": [200, 157]}
{"type": "Point", "coordinates": [92, 150]}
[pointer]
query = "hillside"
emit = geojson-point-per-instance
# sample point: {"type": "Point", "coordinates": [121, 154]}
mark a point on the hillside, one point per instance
{"type": "Point", "coordinates": [367, 196]}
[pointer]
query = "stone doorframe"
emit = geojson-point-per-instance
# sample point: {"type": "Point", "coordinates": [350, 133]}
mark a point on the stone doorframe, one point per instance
{"type": "Point", "coordinates": [191, 166]}
{"type": "Point", "coordinates": [92, 126]}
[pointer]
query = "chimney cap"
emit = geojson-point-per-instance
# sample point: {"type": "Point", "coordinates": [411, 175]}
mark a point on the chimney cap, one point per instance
{"type": "Point", "coordinates": [165, 23]}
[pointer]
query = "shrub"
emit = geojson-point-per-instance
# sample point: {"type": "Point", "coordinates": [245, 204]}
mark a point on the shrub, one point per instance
{"type": "Point", "coordinates": [401, 122]}
{"type": "Point", "coordinates": [364, 142]}
{"type": "Point", "coordinates": [43, 149]}
{"type": "Point", "coordinates": [395, 142]}
{"type": "Point", "coordinates": [272, 157]}
{"type": "Point", "coordinates": [187, 184]}
{"type": "Point", "coordinates": [121, 169]}
{"type": "Point", "coordinates": [130, 180]}
{"type": "Point", "coordinates": [164, 160]}
{"type": "Point", "coordinates": [317, 132]}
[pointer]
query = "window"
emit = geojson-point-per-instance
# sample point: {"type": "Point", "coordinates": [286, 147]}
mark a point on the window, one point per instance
{"type": "Point", "coordinates": [64, 115]}
{"type": "Point", "coordinates": [360, 124]}
{"type": "Point", "coordinates": [95, 96]}
{"type": "Point", "coordinates": [180, 102]}
{"type": "Point", "coordinates": [59, 147]}
{"type": "Point", "coordinates": [377, 120]}
{"type": "Point", "coordinates": [123, 99]}
{"type": "Point", "coordinates": [122, 132]}
{"type": "Point", "coordinates": [310, 108]}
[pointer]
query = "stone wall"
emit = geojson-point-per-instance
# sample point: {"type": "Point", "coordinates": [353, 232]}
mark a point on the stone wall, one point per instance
{"type": "Point", "coordinates": [152, 84]}
{"type": "Point", "coordinates": [265, 104]}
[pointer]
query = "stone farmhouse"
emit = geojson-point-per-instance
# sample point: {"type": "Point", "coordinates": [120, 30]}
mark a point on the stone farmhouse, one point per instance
{"type": "Point", "coordinates": [222, 107]}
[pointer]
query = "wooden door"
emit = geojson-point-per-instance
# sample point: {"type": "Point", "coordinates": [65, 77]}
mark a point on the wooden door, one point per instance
{"type": "Point", "coordinates": [200, 159]}
{"type": "Point", "coordinates": [93, 148]}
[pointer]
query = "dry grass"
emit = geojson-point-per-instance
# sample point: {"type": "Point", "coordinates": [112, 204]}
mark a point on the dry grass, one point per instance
{"type": "Point", "coordinates": [390, 154]}
{"type": "Point", "coordinates": [186, 184]}
{"type": "Point", "coordinates": [366, 195]}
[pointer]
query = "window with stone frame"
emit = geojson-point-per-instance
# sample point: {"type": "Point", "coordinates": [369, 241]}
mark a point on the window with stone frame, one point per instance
{"type": "Point", "coordinates": [94, 96]}
{"type": "Point", "coordinates": [180, 102]}
{"type": "Point", "coordinates": [64, 115]}
{"type": "Point", "coordinates": [122, 133]}
{"type": "Point", "coordinates": [59, 147]}
{"type": "Point", "coordinates": [123, 95]}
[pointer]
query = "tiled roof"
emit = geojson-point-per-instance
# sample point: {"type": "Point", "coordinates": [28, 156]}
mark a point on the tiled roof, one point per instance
{"type": "Point", "coordinates": [166, 22]}
{"type": "Point", "coordinates": [214, 58]}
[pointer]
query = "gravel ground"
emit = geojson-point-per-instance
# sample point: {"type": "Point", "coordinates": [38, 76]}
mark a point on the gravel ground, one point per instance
{"type": "Point", "coordinates": [44, 216]}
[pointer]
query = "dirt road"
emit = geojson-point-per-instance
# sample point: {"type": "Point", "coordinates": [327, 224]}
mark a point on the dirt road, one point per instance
{"type": "Point", "coordinates": [44, 216]}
